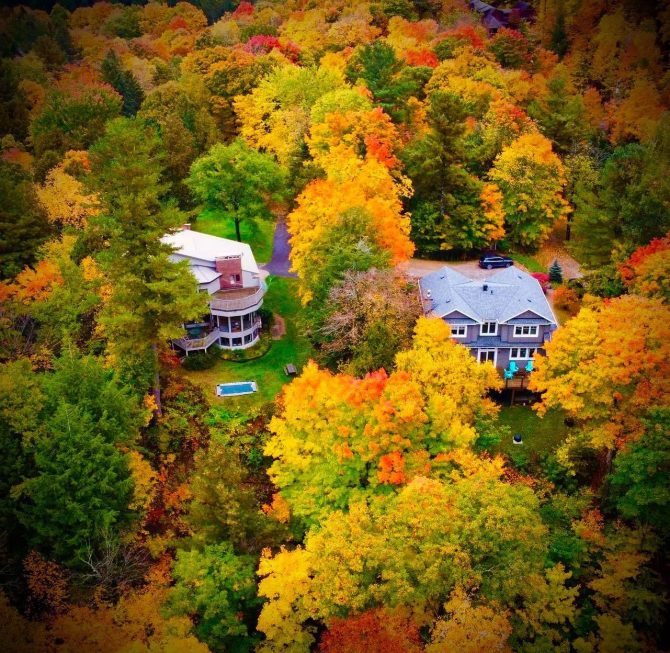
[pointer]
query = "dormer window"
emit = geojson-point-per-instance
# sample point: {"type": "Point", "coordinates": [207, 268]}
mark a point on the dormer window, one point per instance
{"type": "Point", "coordinates": [526, 330]}
{"type": "Point", "coordinates": [488, 329]}
{"type": "Point", "coordinates": [460, 331]}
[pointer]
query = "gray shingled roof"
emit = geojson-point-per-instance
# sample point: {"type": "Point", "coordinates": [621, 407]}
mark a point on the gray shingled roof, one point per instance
{"type": "Point", "coordinates": [509, 293]}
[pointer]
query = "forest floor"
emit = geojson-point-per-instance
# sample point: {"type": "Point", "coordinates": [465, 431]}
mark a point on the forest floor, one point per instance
{"type": "Point", "coordinates": [267, 371]}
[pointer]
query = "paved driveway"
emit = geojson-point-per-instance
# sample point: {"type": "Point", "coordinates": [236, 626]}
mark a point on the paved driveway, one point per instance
{"type": "Point", "coordinates": [418, 268]}
{"type": "Point", "coordinates": [279, 265]}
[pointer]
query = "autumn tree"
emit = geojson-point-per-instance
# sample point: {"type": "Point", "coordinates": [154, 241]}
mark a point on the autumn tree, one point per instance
{"type": "Point", "coordinates": [469, 627]}
{"type": "Point", "coordinates": [236, 182]}
{"type": "Point", "coordinates": [604, 376]}
{"type": "Point", "coordinates": [349, 244]}
{"type": "Point", "coordinates": [217, 589]}
{"type": "Point", "coordinates": [371, 435]}
{"type": "Point", "coordinates": [23, 221]}
{"type": "Point", "coordinates": [362, 187]}
{"type": "Point", "coordinates": [360, 558]}
{"type": "Point", "coordinates": [151, 297]}
{"type": "Point", "coordinates": [275, 116]}
{"type": "Point", "coordinates": [74, 113]}
{"type": "Point", "coordinates": [531, 178]}
{"type": "Point", "coordinates": [647, 270]}
{"type": "Point", "coordinates": [373, 631]}
{"type": "Point", "coordinates": [64, 196]}
{"type": "Point", "coordinates": [370, 316]}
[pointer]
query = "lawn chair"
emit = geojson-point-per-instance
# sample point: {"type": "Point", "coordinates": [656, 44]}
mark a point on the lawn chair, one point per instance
{"type": "Point", "coordinates": [529, 366]}
{"type": "Point", "coordinates": [508, 375]}
{"type": "Point", "coordinates": [514, 368]}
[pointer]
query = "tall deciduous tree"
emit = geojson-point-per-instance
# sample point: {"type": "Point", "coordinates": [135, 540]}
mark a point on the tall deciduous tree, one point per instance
{"type": "Point", "coordinates": [217, 589]}
{"type": "Point", "coordinates": [606, 376]}
{"type": "Point", "coordinates": [370, 316]}
{"type": "Point", "coordinates": [531, 178]}
{"type": "Point", "coordinates": [236, 181]}
{"type": "Point", "coordinates": [151, 296]}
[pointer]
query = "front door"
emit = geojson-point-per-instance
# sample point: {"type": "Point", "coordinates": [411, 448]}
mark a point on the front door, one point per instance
{"type": "Point", "coordinates": [487, 355]}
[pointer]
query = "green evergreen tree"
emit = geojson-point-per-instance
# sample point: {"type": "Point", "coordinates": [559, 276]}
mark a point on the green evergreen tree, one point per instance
{"type": "Point", "coordinates": [379, 67]}
{"type": "Point", "coordinates": [81, 490]}
{"type": "Point", "coordinates": [555, 272]}
{"type": "Point", "coordinates": [151, 296]}
{"type": "Point", "coordinates": [124, 82]}
{"type": "Point", "coordinates": [23, 222]}
{"type": "Point", "coordinates": [559, 35]}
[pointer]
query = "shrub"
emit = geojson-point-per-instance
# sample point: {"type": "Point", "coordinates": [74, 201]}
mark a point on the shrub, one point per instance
{"type": "Point", "coordinates": [555, 272]}
{"type": "Point", "coordinates": [567, 299]}
{"type": "Point", "coordinates": [202, 360]}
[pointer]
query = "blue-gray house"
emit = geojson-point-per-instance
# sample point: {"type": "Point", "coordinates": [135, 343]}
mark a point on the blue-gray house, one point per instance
{"type": "Point", "coordinates": [505, 317]}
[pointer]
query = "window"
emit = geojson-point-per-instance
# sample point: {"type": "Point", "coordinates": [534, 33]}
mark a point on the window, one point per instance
{"type": "Point", "coordinates": [525, 330]}
{"type": "Point", "coordinates": [234, 278]}
{"type": "Point", "coordinates": [486, 355]}
{"type": "Point", "coordinates": [237, 342]}
{"type": "Point", "coordinates": [248, 338]}
{"type": "Point", "coordinates": [460, 331]}
{"type": "Point", "coordinates": [225, 342]}
{"type": "Point", "coordinates": [488, 329]}
{"type": "Point", "coordinates": [521, 353]}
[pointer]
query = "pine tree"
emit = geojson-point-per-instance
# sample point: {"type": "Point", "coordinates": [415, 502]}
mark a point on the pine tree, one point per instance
{"type": "Point", "coordinates": [555, 272]}
{"type": "Point", "coordinates": [151, 296]}
{"type": "Point", "coordinates": [124, 82]}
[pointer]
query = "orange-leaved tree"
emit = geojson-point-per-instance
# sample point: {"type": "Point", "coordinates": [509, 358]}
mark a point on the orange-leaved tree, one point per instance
{"type": "Point", "coordinates": [339, 438]}
{"type": "Point", "coordinates": [607, 367]}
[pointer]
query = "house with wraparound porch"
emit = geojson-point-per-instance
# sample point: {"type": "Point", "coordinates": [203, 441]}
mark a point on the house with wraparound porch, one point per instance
{"type": "Point", "coordinates": [227, 271]}
{"type": "Point", "coordinates": [504, 318]}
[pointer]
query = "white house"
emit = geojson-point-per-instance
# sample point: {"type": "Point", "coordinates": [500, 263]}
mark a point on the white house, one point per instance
{"type": "Point", "coordinates": [227, 271]}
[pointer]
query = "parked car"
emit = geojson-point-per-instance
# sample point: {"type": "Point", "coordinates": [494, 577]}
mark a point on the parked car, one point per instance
{"type": "Point", "coordinates": [490, 261]}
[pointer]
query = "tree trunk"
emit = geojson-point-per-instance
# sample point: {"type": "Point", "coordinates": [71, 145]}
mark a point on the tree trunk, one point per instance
{"type": "Point", "coordinates": [568, 228]}
{"type": "Point", "coordinates": [157, 382]}
{"type": "Point", "coordinates": [237, 230]}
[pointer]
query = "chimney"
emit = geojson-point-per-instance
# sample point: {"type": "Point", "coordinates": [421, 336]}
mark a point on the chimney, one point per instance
{"type": "Point", "coordinates": [230, 268]}
{"type": "Point", "coordinates": [485, 287]}
{"type": "Point", "coordinates": [186, 226]}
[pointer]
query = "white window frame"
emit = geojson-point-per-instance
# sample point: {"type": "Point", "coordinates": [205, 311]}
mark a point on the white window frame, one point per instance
{"type": "Point", "coordinates": [481, 329]}
{"type": "Point", "coordinates": [533, 331]}
{"type": "Point", "coordinates": [531, 351]}
{"type": "Point", "coordinates": [459, 328]}
{"type": "Point", "coordinates": [488, 349]}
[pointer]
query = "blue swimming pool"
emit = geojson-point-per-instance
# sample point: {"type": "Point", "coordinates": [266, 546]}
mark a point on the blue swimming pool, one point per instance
{"type": "Point", "coordinates": [235, 389]}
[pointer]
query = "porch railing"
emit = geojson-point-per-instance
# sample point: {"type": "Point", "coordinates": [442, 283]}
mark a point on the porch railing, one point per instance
{"type": "Point", "coordinates": [239, 304]}
{"type": "Point", "coordinates": [193, 344]}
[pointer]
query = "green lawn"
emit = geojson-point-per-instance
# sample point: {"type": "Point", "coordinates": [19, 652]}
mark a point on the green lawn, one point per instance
{"type": "Point", "coordinates": [258, 234]}
{"type": "Point", "coordinates": [540, 434]}
{"type": "Point", "coordinates": [268, 371]}
{"type": "Point", "coordinates": [529, 262]}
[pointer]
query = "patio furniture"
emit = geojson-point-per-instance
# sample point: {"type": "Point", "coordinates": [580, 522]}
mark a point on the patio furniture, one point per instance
{"type": "Point", "coordinates": [514, 368]}
{"type": "Point", "coordinates": [529, 366]}
{"type": "Point", "coordinates": [508, 374]}
{"type": "Point", "coordinates": [290, 370]}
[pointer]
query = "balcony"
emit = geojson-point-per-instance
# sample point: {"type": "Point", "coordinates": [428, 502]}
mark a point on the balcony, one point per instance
{"type": "Point", "coordinates": [239, 299]}
{"type": "Point", "coordinates": [197, 344]}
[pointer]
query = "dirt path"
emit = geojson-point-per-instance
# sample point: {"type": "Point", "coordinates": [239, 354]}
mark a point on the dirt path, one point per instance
{"type": "Point", "coordinates": [278, 330]}
{"type": "Point", "coordinates": [554, 250]}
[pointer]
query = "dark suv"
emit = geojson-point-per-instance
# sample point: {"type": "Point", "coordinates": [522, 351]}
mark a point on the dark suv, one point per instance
{"type": "Point", "coordinates": [490, 261]}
